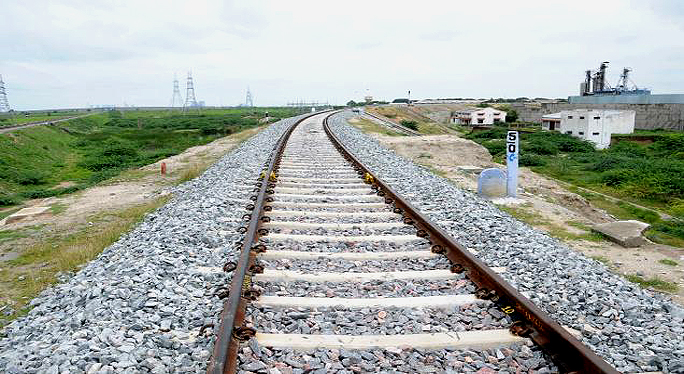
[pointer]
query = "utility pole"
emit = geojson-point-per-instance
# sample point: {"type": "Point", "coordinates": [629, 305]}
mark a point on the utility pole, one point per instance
{"type": "Point", "coordinates": [249, 102]}
{"type": "Point", "coordinates": [190, 100]}
{"type": "Point", "coordinates": [176, 99]}
{"type": "Point", "coordinates": [4, 103]}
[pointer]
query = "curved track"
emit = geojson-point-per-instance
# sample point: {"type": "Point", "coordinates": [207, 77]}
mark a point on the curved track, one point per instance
{"type": "Point", "coordinates": [338, 272]}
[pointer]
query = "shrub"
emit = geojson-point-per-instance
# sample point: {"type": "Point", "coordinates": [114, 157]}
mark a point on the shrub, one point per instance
{"type": "Point", "coordinates": [540, 147]}
{"type": "Point", "coordinates": [413, 125]}
{"type": "Point", "coordinates": [672, 227]}
{"type": "Point", "coordinates": [609, 162]}
{"type": "Point", "coordinates": [496, 133]}
{"type": "Point", "coordinates": [628, 148]}
{"type": "Point", "coordinates": [668, 144]}
{"type": "Point", "coordinates": [28, 177]}
{"type": "Point", "coordinates": [616, 177]}
{"type": "Point", "coordinates": [495, 147]}
{"type": "Point", "coordinates": [6, 200]}
{"type": "Point", "coordinates": [527, 159]}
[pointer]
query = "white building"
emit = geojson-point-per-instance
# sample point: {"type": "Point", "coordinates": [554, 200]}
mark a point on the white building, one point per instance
{"type": "Point", "coordinates": [551, 121]}
{"type": "Point", "coordinates": [595, 126]}
{"type": "Point", "coordinates": [478, 116]}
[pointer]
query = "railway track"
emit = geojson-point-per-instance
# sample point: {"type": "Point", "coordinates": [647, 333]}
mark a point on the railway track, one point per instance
{"type": "Point", "coordinates": [337, 272]}
{"type": "Point", "coordinates": [391, 125]}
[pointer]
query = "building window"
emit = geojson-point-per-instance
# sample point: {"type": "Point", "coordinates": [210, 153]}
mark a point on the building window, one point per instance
{"type": "Point", "coordinates": [569, 132]}
{"type": "Point", "coordinates": [581, 132]}
{"type": "Point", "coordinates": [597, 117]}
{"type": "Point", "coordinates": [569, 117]}
{"type": "Point", "coordinates": [594, 133]}
{"type": "Point", "coordinates": [480, 120]}
{"type": "Point", "coordinates": [581, 117]}
{"type": "Point", "coordinates": [497, 120]}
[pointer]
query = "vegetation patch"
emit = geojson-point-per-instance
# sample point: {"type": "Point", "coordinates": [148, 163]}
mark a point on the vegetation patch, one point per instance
{"type": "Point", "coordinates": [86, 151]}
{"type": "Point", "coordinates": [655, 283]}
{"type": "Point", "coordinates": [667, 261]}
{"type": "Point", "coordinates": [369, 126]}
{"type": "Point", "coordinates": [650, 175]}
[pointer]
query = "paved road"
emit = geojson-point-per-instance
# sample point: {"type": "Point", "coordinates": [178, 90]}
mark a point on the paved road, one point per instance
{"type": "Point", "coordinates": [25, 125]}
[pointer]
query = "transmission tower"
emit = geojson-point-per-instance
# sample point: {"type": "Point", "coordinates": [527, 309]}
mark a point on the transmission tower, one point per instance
{"type": "Point", "coordinates": [190, 100]}
{"type": "Point", "coordinates": [248, 101]}
{"type": "Point", "coordinates": [176, 99]}
{"type": "Point", "coordinates": [4, 104]}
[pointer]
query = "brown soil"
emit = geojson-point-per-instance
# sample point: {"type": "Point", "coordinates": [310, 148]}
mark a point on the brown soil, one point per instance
{"type": "Point", "coordinates": [131, 188]}
{"type": "Point", "coordinates": [545, 204]}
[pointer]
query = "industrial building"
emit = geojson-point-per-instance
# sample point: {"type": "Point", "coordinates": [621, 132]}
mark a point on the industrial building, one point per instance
{"type": "Point", "coordinates": [661, 111]}
{"type": "Point", "coordinates": [478, 116]}
{"type": "Point", "coordinates": [596, 126]}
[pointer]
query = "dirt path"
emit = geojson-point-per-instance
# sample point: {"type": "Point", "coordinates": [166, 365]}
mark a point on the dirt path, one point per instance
{"type": "Point", "coordinates": [25, 125]}
{"type": "Point", "coordinates": [545, 205]}
{"type": "Point", "coordinates": [71, 213]}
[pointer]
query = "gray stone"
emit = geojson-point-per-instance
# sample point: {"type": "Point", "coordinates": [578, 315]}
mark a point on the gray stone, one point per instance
{"type": "Point", "coordinates": [625, 233]}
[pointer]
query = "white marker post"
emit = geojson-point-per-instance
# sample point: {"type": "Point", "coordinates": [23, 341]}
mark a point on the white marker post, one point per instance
{"type": "Point", "coordinates": [512, 163]}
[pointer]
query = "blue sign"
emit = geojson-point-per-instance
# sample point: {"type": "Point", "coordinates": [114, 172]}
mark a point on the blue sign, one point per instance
{"type": "Point", "coordinates": [512, 163]}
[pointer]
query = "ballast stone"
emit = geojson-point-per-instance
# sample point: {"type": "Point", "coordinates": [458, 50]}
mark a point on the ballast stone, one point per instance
{"type": "Point", "coordinates": [573, 289]}
{"type": "Point", "coordinates": [626, 233]}
{"type": "Point", "coordinates": [109, 316]}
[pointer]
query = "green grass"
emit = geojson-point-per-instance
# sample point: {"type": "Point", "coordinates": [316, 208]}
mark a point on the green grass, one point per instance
{"type": "Point", "coordinates": [11, 234]}
{"type": "Point", "coordinates": [601, 259]}
{"type": "Point", "coordinates": [19, 118]}
{"type": "Point", "coordinates": [89, 150]}
{"type": "Point", "coordinates": [57, 208]}
{"type": "Point", "coordinates": [369, 126]}
{"type": "Point", "coordinates": [667, 261]}
{"type": "Point", "coordinates": [535, 219]}
{"type": "Point", "coordinates": [655, 283]}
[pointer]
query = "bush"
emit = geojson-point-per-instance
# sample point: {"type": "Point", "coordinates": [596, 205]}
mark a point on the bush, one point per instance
{"type": "Point", "coordinates": [669, 144]}
{"type": "Point", "coordinates": [29, 177]}
{"type": "Point", "coordinates": [527, 159]}
{"type": "Point", "coordinates": [413, 125]}
{"type": "Point", "coordinates": [672, 227]}
{"type": "Point", "coordinates": [628, 149]}
{"type": "Point", "coordinates": [617, 177]}
{"type": "Point", "coordinates": [610, 162]}
{"type": "Point", "coordinates": [496, 133]}
{"type": "Point", "coordinates": [495, 147]}
{"type": "Point", "coordinates": [6, 200]}
{"type": "Point", "coordinates": [540, 147]}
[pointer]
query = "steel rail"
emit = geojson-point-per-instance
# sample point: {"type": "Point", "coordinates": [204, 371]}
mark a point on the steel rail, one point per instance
{"type": "Point", "coordinates": [568, 353]}
{"type": "Point", "coordinates": [224, 357]}
{"type": "Point", "coordinates": [393, 126]}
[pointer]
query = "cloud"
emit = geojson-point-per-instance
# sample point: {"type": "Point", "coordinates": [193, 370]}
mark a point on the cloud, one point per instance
{"type": "Point", "coordinates": [71, 53]}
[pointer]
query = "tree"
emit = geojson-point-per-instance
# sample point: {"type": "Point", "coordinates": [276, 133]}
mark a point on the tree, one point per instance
{"type": "Point", "coordinates": [351, 103]}
{"type": "Point", "coordinates": [511, 115]}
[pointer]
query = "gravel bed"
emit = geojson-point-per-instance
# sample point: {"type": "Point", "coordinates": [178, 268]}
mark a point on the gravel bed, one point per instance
{"type": "Point", "coordinates": [519, 358]}
{"type": "Point", "coordinates": [632, 328]}
{"type": "Point", "coordinates": [375, 321]}
{"type": "Point", "coordinates": [458, 285]}
{"type": "Point", "coordinates": [339, 265]}
{"type": "Point", "coordinates": [291, 245]}
{"type": "Point", "coordinates": [140, 305]}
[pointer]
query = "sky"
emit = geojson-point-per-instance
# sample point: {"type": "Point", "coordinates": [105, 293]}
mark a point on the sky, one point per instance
{"type": "Point", "coordinates": [77, 53]}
